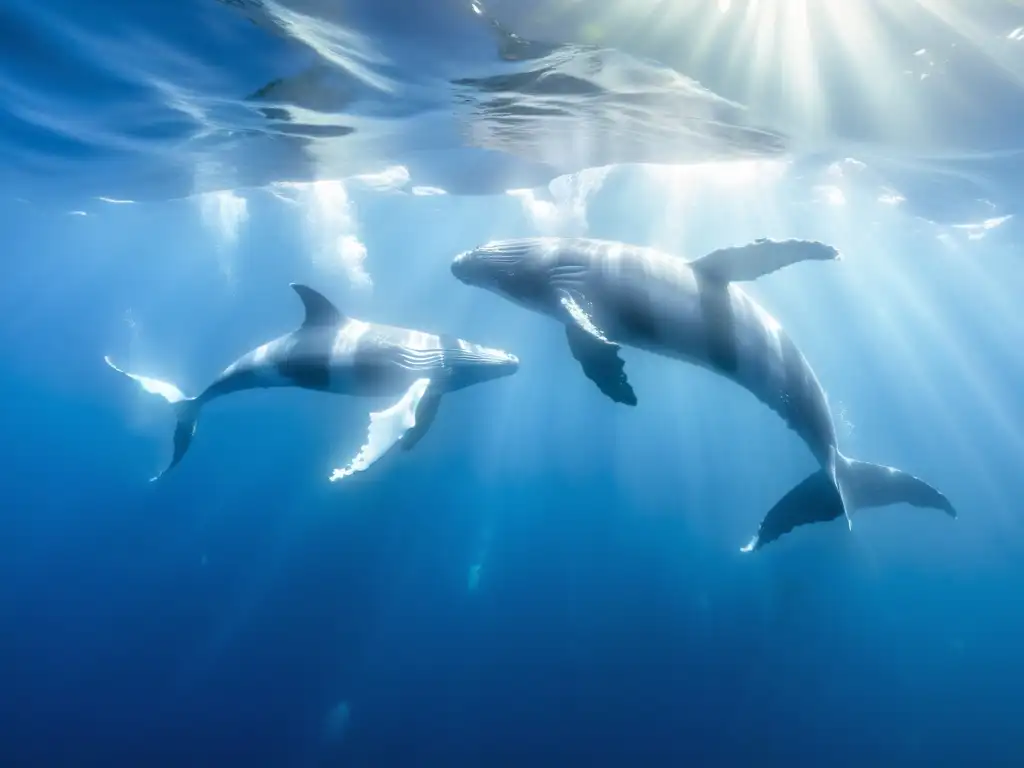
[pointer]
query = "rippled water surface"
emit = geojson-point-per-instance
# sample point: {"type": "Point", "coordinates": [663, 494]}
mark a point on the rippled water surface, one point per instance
{"type": "Point", "coordinates": [163, 100]}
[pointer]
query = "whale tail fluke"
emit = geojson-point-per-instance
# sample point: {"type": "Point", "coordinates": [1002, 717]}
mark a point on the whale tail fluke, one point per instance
{"type": "Point", "coordinates": [186, 412]}
{"type": "Point", "coordinates": [864, 485]}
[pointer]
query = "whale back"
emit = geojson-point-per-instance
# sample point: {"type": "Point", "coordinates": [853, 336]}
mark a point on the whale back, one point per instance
{"type": "Point", "coordinates": [769, 364]}
{"type": "Point", "coordinates": [658, 302]}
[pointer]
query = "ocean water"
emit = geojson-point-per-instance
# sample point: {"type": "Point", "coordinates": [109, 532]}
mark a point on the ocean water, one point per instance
{"type": "Point", "coordinates": [549, 578]}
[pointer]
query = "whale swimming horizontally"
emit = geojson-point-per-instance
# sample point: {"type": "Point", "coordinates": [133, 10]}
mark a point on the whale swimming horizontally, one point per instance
{"type": "Point", "coordinates": [609, 294]}
{"type": "Point", "coordinates": [333, 353]}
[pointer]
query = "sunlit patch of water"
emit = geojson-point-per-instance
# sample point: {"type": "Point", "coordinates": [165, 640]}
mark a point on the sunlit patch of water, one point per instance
{"type": "Point", "coordinates": [565, 213]}
{"type": "Point", "coordinates": [331, 227]}
{"type": "Point", "coordinates": [224, 214]}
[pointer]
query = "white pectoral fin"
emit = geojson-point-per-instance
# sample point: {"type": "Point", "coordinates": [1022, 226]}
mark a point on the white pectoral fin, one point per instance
{"type": "Point", "coordinates": [580, 316]}
{"type": "Point", "coordinates": [759, 258]}
{"type": "Point", "coordinates": [599, 357]}
{"type": "Point", "coordinates": [386, 430]}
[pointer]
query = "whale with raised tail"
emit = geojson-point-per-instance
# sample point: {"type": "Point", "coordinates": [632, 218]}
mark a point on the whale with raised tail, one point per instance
{"type": "Point", "coordinates": [609, 294]}
{"type": "Point", "coordinates": [333, 353]}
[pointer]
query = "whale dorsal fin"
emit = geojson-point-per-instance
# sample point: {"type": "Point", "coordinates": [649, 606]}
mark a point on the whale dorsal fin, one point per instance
{"type": "Point", "coordinates": [761, 257]}
{"type": "Point", "coordinates": [320, 312]}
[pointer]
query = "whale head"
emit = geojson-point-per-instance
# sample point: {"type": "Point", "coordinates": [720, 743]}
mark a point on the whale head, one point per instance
{"type": "Point", "coordinates": [468, 364]}
{"type": "Point", "coordinates": [518, 270]}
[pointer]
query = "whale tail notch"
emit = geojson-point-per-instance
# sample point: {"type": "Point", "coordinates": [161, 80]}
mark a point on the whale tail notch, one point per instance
{"type": "Point", "coordinates": [856, 485]}
{"type": "Point", "coordinates": [186, 412]}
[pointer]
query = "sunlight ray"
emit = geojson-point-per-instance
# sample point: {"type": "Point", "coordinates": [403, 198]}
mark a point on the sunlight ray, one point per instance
{"type": "Point", "coordinates": [873, 67]}
{"type": "Point", "coordinates": [892, 286]}
{"type": "Point", "coordinates": [1000, 53]}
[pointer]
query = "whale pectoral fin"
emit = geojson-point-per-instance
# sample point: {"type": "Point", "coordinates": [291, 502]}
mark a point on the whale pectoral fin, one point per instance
{"type": "Point", "coordinates": [598, 356]}
{"type": "Point", "coordinates": [580, 317]}
{"type": "Point", "coordinates": [601, 364]}
{"type": "Point", "coordinates": [759, 258]}
{"type": "Point", "coordinates": [387, 428]}
{"type": "Point", "coordinates": [425, 414]}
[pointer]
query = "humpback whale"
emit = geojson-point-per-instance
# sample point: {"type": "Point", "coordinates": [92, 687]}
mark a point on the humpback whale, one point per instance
{"type": "Point", "coordinates": [333, 353]}
{"type": "Point", "coordinates": [609, 294]}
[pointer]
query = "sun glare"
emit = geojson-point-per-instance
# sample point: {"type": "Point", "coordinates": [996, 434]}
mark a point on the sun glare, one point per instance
{"type": "Point", "coordinates": [776, 55]}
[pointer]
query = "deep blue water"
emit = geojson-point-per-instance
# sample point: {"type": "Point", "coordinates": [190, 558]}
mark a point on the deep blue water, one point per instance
{"type": "Point", "coordinates": [548, 578]}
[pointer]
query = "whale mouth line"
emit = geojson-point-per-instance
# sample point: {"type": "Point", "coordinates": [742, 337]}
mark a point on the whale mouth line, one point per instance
{"type": "Point", "coordinates": [510, 250]}
{"type": "Point", "coordinates": [497, 253]}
